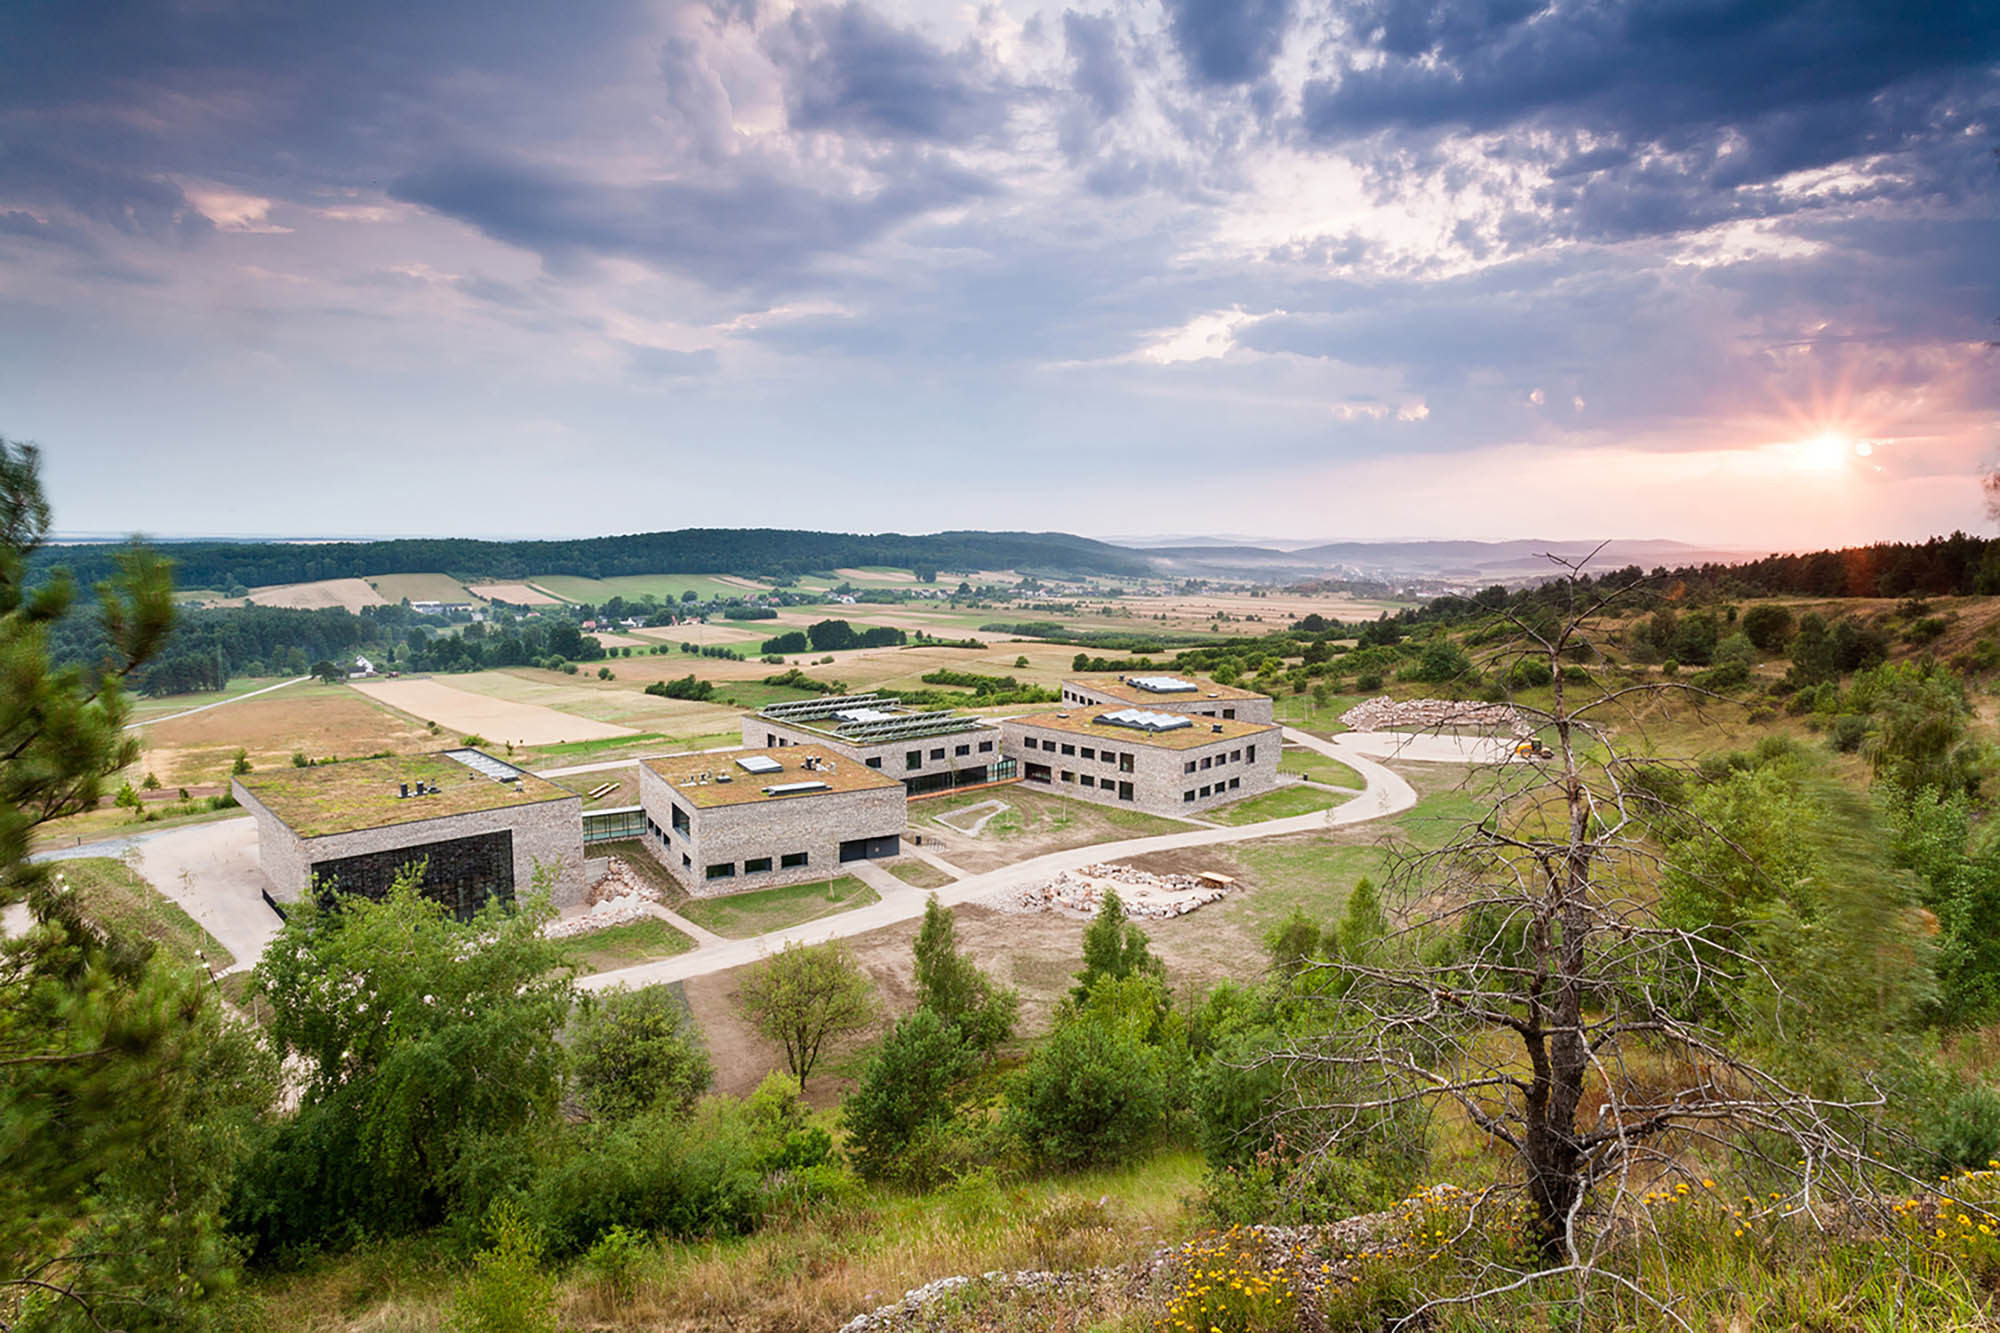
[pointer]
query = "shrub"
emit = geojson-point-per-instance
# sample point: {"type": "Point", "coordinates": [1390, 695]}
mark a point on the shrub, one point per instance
{"type": "Point", "coordinates": [1849, 730]}
{"type": "Point", "coordinates": [615, 1258]}
{"type": "Point", "coordinates": [634, 1050]}
{"type": "Point", "coordinates": [1530, 673]}
{"type": "Point", "coordinates": [507, 1292]}
{"type": "Point", "coordinates": [1368, 682]}
{"type": "Point", "coordinates": [1088, 1095]}
{"type": "Point", "coordinates": [906, 1085]}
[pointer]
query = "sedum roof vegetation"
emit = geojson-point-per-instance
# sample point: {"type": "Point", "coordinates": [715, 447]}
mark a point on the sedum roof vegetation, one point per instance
{"type": "Point", "coordinates": [360, 794]}
{"type": "Point", "coordinates": [1082, 721]}
{"type": "Point", "coordinates": [683, 773]}
{"type": "Point", "coordinates": [1204, 690]}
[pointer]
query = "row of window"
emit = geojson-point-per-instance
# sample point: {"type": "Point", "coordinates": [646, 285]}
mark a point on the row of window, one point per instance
{"type": "Point", "coordinates": [758, 865]}
{"type": "Point", "coordinates": [1124, 760]}
{"type": "Point", "coordinates": [1188, 797]}
{"type": "Point", "coordinates": [1086, 780]}
{"type": "Point", "coordinates": [1246, 755]}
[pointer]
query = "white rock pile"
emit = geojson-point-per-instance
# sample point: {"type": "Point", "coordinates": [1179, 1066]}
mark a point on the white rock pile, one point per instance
{"type": "Point", "coordinates": [1144, 894]}
{"type": "Point", "coordinates": [618, 898]}
{"type": "Point", "coordinates": [1383, 714]}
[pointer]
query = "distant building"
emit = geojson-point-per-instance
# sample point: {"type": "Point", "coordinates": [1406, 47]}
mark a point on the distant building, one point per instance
{"type": "Point", "coordinates": [1168, 693]}
{"type": "Point", "coordinates": [428, 608]}
{"type": "Point", "coordinates": [927, 750]}
{"type": "Point", "coordinates": [753, 819]}
{"type": "Point", "coordinates": [362, 667]}
{"type": "Point", "coordinates": [481, 826]}
{"type": "Point", "coordinates": [1162, 763]}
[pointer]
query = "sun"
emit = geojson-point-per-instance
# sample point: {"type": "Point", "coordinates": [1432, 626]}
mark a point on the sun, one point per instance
{"type": "Point", "coordinates": [1830, 451]}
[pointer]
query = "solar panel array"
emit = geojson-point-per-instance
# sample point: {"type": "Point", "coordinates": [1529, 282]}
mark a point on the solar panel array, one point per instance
{"type": "Point", "coordinates": [910, 726]}
{"type": "Point", "coordinates": [802, 710]}
{"type": "Point", "coordinates": [1138, 719]}
{"type": "Point", "coordinates": [485, 765]}
{"type": "Point", "coordinates": [873, 721]}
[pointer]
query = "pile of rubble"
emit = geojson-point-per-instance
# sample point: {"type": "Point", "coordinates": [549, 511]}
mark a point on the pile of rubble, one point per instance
{"type": "Point", "coordinates": [1145, 895]}
{"type": "Point", "coordinates": [1383, 713]}
{"type": "Point", "coordinates": [618, 898]}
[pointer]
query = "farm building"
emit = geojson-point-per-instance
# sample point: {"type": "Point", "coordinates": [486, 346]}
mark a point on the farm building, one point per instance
{"type": "Point", "coordinates": [1162, 763]}
{"type": "Point", "coordinates": [927, 751]}
{"type": "Point", "coordinates": [481, 827]}
{"type": "Point", "coordinates": [1169, 694]}
{"type": "Point", "coordinates": [757, 818]}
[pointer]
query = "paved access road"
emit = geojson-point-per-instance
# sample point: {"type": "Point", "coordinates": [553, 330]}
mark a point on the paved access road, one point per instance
{"type": "Point", "coordinates": [1385, 794]}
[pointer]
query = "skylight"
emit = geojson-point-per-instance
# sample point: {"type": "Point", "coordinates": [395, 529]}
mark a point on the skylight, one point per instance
{"type": "Point", "coordinates": [1140, 720]}
{"type": "Point", "coordinates": [759, 763]}
{"type": "Point", "coordinates": [1162, 684]}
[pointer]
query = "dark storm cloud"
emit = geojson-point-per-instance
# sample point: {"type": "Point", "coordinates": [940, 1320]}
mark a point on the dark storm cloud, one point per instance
{"type": "Point", "coordinates": [745, 232]}
{"type": "Point", "coordinates": [849, 69]}
{"type": "Point", "coordinates": [1100, 73]}
{"type": "Point", "coordinates": [1228, 41]}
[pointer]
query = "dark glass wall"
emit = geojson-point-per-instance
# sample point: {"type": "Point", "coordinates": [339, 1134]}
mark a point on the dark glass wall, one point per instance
{"type": "Point", "coordinates": [461, 873]}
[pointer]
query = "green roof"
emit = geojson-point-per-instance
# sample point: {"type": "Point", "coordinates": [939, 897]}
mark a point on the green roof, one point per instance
{"type": "Point", "coordinates": [360, 794]}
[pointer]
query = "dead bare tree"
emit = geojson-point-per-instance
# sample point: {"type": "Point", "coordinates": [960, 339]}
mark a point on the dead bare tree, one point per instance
{"type": "Point", "coordinates": [1532, 987]}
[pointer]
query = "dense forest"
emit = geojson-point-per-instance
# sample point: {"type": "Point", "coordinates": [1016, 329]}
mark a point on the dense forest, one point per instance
{"type": "Point", "coordinates": [759, 552]}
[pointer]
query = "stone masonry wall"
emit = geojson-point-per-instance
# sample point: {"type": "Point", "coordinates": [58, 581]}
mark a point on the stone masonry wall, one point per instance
{"type": "Point", "coordinates": [1159, 776]}
{"type": "Point", "coordinates": [815, 823]}
{"type": "Point", "coordinates": [939, 754]}
{"type": "Point", "coordinates": [1257, 708]}
{"type": "Point", "coordinates": [549, 832]}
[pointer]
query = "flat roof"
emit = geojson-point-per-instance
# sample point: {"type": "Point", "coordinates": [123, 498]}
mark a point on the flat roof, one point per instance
{"type": "Point", "coordinates": [869, 719]}
{"type": "Point", "coordinates": [356, 794]}
{"type": "Point", "coordinates": [1135, 694]}
{"type": "Point", "coordinates": [830, 773]}
{"type": "Point", "coordinates": [1083, 722]}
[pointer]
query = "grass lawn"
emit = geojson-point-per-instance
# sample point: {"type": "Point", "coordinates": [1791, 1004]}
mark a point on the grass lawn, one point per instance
{"type": "Point", "coordinates": [1316, 767]}
{"type": "Point", "coordinates": [622, 946]}
{"type": "Point", "coordinates": [116, 898]}
{"type": "Point", "coordinates": [1279, 804]}
{"type": "Point", "coordinates": [920, 873]}
{"type": "Point", "coordinates": [741, 915]}
{"type": "Point", "coordinates": [1297, 710]}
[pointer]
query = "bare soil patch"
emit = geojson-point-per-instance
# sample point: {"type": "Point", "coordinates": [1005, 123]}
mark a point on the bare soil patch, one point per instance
{"type": "Point", "coordinates": [514, 594]}
{"type": "Point", "coordinates": [317, 720]}
{"type": "Point", "coordinates": [498, 720]}
{"type": "Point", "coordinates": [348, 594]}
{"type": "Point", "coordinates": [420, 587]}
{"type": "Point", "coordinates": [1033, 824]}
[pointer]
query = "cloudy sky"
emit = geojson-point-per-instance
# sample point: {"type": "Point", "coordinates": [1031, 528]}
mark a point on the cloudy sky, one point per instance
{"type": "Point", "coordinates": [1721, 270]}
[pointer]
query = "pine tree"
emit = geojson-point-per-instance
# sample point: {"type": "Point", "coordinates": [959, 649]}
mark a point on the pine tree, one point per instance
{"type": "Point", "coordinates": [1114, 947]}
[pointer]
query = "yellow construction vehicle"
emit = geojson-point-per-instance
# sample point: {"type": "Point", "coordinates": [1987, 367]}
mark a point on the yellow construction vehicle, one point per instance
{"type": "Point", "coordinates": [1533, 749]}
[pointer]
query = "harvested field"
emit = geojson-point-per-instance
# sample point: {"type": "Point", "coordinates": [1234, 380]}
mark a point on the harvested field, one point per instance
{"type": "Point", "coordinates": [420, 587]}
{"type": "Point", "coordinates": [632, 587]}
{"type": "Point", "coordinates": [347, 594]}
{"type": "Point", "coordinates": [499, 721]}
{"type": "Point", "coordinates": [319, 720]}
{"type": "Point", "coordinates": [514, 594]}
{"type": "Point", "coordinates": [614, 639]}
{"type": "Point", "coordinates": [622, 703]}
{"type": "Point", "coordinates": [877, 574]}
{"type": "Point", "coordinates": [703, 634]}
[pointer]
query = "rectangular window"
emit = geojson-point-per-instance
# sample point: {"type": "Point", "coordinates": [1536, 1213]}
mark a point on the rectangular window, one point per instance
{"type": "Point", "coordinates": [770, 741]}
{"type": "Point", "coordinates": [686, 861]}
{"type": "Point", "coordinates": [1089, 781]}
{"type": "Point", "coordinates": [1050, 746]}
{"type": "Point", "coordinates": [1249, 754]}
{"type": "Point", "coordinates": [1204, 791]}
{"type": "Point", "coordinates": [1124, 766]}
{"type": "Point", "coordinates": [1124, 791]}
{"type": "Point", "coordinates": [1235, 755]}
{"type": "Point", "coordinates": [1089, 752]}
{"type": "Point", "coordinates": [1187, 796]}
{"type": "Point", "coordinates": [1069, 749]}
{"type": "Point", "coordinates": [1229, 712]}
{"type": "Point", "coordinates": [986, 747]}
{"type": "Point", "coordinates": [680, 818]}
{"type": "Point", "coordinates": [1188, 767]}
{"type": "Point", "coordinates": [1208, 761]}
{"type": "Point", "coordinates": [876, 762]}
{"type": "Point", "coordinates": [791, 860]}
{"type": "Point", "coordinates": [727, 870]}
{"type": "Point", "coordinates": [938, 753]}
{"type": "Point", "coordinates": [1068, 776]}
{"type": "Point", "coordinates": [756, 865]}
{"type": "Point", "coordinates": [914, 759]}
{"type": "Point", "coordinates": [1234, 783]}
{"type": "Point", "coordinates": [962, 751]}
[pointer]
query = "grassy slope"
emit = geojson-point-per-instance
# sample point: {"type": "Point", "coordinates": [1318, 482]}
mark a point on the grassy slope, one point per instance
{"type": "Point", "coordinates": [622, 946]}
{"type": "Point", "coordinates": [116, 897]}
{"type": "Point", "coordinates": [740, 915]}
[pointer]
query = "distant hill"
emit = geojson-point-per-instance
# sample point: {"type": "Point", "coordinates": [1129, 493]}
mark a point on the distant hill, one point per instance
{"type": "Point", "coordinates": [1464, 561]}
{"type": "Point", "coordinates": [758, 552]}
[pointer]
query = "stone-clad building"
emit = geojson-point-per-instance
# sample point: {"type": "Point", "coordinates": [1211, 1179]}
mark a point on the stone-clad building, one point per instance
{"type": "Point", "coordinates": [1163, 763]}
{"type": "Point", "coordinates": [758, 818]}
{"type": "Point", "coordinates": [925, 750]}
{"type": "Point", "coordinates": [481, 826]}
{"type": "Point", "coordinates": [1165, 693]}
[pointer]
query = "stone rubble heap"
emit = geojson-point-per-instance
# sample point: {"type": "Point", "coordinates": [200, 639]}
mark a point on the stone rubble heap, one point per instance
{"type": "Point", "coordinates": [618, 898]}
{"type": "Point", "coordinates": [1146, 896]}
{"type": "Point", "coordinates": [1383, 713]}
